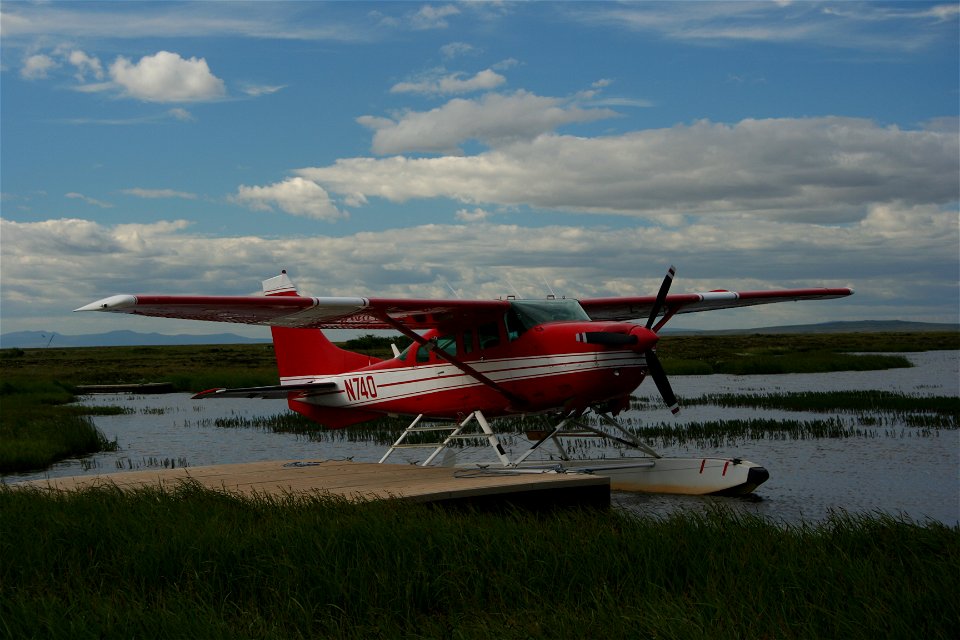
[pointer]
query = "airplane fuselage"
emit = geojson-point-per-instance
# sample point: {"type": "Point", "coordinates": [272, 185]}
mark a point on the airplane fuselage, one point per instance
{"type": "Point", "coordinates": [549, 366]}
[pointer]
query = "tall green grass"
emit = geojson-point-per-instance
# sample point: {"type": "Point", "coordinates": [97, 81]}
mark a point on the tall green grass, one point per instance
{"type": "Point", "coordinates": [790, 362]}
{"type": "Point", "coordinates": [871, 400]}
{"type": "Point", "coordinates": [36, 429]}
{"type": "Point", "coordinates": [197, 563]}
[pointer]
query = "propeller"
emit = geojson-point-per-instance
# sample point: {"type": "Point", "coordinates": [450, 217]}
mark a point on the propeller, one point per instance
{"type": "Point", "coordinates": [661, 296]}
{"type": "Point", "coordinates": [660, 379]}
{"type": "Point", "coordinates": [643, 338]}
{"type": "Point", "coordinates": [653, 362]}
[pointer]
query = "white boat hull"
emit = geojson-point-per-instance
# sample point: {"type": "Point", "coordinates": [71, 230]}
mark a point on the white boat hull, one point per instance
{"type": "Point", "coordinates": [691, 476]}
{"type": "Point", "coordinates": [688, 476]}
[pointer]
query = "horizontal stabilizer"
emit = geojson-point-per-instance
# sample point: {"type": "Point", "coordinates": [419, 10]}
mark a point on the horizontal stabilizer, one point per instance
{"type": "Point", "coordinates": [280, 392]}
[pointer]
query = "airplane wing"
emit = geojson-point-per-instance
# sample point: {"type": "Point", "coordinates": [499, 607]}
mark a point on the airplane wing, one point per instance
{"type": "Point", "coordinates": [302, 311]}
{"type": "Point", "coordinates": [632, 308]}
{"type": "Point", "coordinates": [273, 392]}
{"type": "Point", "coordinates": [418, 314]}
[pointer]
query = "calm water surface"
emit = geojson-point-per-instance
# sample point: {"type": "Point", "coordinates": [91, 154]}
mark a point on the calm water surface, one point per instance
{"type": "Point", "coordinates": [899, 470]}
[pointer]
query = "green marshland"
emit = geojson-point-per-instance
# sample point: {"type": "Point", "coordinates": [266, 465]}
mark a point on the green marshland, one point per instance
{"type": "Point", "coordinates": [195, 563]}
{"type": "Point", "coordinates": [192, 562]}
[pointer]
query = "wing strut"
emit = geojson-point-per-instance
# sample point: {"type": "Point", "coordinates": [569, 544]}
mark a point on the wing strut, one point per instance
{"type": "Point", "coordinates": [518, 401]}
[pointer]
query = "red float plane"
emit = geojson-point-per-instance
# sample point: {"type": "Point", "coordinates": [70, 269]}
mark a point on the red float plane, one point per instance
{"type": "Point", "coordinates": [473, 359]}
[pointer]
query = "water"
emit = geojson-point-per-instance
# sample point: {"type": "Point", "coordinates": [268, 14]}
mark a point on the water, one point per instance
{"type": "Point", "coordinates": [901, 471]}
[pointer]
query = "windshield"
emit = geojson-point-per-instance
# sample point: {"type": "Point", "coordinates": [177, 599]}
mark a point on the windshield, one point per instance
{"type": "Point", "coordinates": [534, 312]}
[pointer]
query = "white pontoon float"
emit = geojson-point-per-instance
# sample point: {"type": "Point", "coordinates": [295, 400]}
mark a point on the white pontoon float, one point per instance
{"type": "Point", "coordinates": [647, 472]}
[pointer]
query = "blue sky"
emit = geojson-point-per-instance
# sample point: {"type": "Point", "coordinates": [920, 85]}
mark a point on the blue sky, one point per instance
{"type": "Point", "coordinates": [482, 148]}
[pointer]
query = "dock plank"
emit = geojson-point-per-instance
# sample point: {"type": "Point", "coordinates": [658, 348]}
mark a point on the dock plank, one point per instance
{"type": "Point", "coordinates": [358, 481]}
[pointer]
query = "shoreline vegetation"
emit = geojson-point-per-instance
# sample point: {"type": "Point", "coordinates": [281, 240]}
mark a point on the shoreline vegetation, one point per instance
{"type": "Point", "coordinates": [194, 562]}
{"type": "Point", "coordinates": [38, 426]}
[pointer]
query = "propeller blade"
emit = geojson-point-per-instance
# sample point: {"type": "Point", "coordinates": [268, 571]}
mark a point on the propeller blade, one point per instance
{"type": "Point", "coordinates": [660, 379]}
{"type": "Point", "coordinates": [661, 295]}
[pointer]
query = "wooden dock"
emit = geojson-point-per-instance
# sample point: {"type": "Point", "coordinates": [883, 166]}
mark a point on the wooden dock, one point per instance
{"type": "Point", "coordinates": [360, 481]}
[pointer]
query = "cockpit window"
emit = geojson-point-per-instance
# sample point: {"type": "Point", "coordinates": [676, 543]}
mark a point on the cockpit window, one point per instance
{"type": "Point", "coordinates": [448, 344]}
{"type": "Point", "coordinates": [533, 312]}
{"type": "Point", "coordinates": [489, 335]}
{"type": "Point", "coordinates": [444, 343]}
{"type": "Point", "coordinates": [515, 326]}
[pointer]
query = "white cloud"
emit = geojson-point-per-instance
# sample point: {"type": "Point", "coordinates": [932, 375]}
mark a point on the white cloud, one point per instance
{"type": "Point", "coordinates": [493, 119]}
{"type": "Point", "coordinates": [166, 77]}
{"type": "Point", "coordinates": [29, 20]}
{"type": "Point", "coordinates": [41, 261]}
{"type": "Point", "coordinates": [159, 193]}
{"type": "Point", "coordinates": [85, 64]}
{"type": "Point", "coordinates": [855, 25]}
{"type": "Point", "coordinates": [295, 196]}
{"type": "Point", "coordinates": [257, 90]}
{"type": "Point", "coordinates": [816, 169]}
{"type": "Point", "coordinates": [37, 66]}
{"type": "Point", "coordinates": [477, 215]}
{"type": "Point", "coordinates": [431, 16]}
{"type": "Point", "coordinates": [181, 114]}
{"type": "Point", "coordinates": [457, 49]}
{"type": "Point", "coordinates": [452, 83]}
{"type": "Point", "coordinates": [97, 203]}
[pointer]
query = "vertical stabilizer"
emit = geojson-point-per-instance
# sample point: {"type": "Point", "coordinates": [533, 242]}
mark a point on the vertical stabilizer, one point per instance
{"type": "Point", "coordinates": [303, 353]}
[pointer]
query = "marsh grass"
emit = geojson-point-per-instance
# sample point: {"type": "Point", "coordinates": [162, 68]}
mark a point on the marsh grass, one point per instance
{"type": "Point", "coordinates": [37, 429]}
{"type": "Point", "coordinates": [863, 400]}
{"type": "Point", "coordinates": [722, 432]}
{"type": "Point", "coordinates": [898, 404]}
{"type": "Point", "coordinates": [877, 414]}
{"type": "Point", "coordinates": [773, 364]}
{"type": "Point", "coordinates": [192, 562]}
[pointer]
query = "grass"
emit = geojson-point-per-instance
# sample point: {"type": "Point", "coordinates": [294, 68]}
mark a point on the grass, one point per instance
{"type": "Point", "coordinates": [716, 433]}
{"type": "Point", "coordinates": [192, 562]}
{"type": "Point", "coordinates": [37, 429]}
{"type": "Point", "coordinates": [795, 353]}
{"type": "Point", "coordinates": [790, 362]}
{"type": "Point", "coordinates": [868, 401]}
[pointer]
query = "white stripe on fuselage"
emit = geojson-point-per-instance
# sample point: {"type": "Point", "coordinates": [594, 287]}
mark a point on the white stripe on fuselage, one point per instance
{"type": "Point", "coordinates": [366, 387]}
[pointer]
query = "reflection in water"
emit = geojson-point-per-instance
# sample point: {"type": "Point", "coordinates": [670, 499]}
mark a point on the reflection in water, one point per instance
{"type": "Point", "coordinates": [902, 470]}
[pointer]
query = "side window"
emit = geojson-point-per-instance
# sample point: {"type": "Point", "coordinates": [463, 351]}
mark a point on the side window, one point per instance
{"type": "Point", "coordinates": [514, 325]}
{"type": "Point", "coordinates": [489, 335]}
{"type": "Point", "coordinates": [467, 341]}
{"type": "Point", "coordinates": [423, 353]}
{"type": "Point", "coordinates": [446, 343]}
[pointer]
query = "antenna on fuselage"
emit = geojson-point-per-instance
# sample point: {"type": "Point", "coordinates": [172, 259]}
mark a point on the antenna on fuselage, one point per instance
{"type": "Point", "coordinates": [449, 286]}
{"type": "Point", "coordinates": [515, 292]}
{"type": "Point", "coordinates": [553, 294]}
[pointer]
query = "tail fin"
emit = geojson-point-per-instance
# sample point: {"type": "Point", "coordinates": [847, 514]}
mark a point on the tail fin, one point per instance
{"type": "Point", "coordinates": [307, 352]}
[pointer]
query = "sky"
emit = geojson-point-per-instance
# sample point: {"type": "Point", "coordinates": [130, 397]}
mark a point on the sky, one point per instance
{"type": "Point", "coordinates": [478, 150]}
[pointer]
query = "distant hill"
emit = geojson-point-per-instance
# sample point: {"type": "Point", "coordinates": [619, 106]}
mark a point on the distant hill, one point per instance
{"type": "Point", "coordinates": [34, 339]}
{"type": "Point", "coordinates": [124, 338]}
{"type": "Point", "coordinates": [859, 326]}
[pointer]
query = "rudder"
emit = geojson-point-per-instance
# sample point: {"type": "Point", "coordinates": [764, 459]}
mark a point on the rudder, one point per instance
{"type": "Point", "coordinates": [307, 353]}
